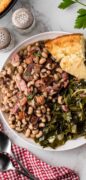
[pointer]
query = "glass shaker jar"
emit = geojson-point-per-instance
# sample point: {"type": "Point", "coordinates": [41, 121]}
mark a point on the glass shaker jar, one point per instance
{"type": "Point", "coordinates": [6, 40]}
{"type": "Point", "coordinates": [23, 20]}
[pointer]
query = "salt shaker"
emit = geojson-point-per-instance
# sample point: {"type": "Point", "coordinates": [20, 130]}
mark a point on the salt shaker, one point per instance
{"type": "Point", "coordinates": [6, 40]}
{"type": "Point", "coordinates": [23, 20]}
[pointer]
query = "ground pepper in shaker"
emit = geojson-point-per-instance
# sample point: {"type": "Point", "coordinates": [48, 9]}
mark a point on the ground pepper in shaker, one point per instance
{"type": "Point", "coordinates": [6, 40]}
{"type": "Point", "coordinates": [23, 20]}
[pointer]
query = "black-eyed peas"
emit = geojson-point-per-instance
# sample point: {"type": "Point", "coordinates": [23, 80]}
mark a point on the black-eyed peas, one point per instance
{"type": "Point", "coordinates": [29, 48]}
{"type": "Point", "coordinates": [42, 60]}
{"type": "Point", "coordinates": [4, 72]}
{"type": "Point", "coordinates": [30, 110]}
{"type": "Point", "coordinates": [20, 69]}
{"type": "Point", "coordinates": [24, 121]}
{"type": "Point", "coordinates": [43, 73]}
{"type": "Point", "coordinates": [35, 131]}
{"type": "Point", "coordinates": [44, 54]}
{"type": "Point", "coordinates": [30, 85]}
{"type": "Point", "coordinates": [18, 129]}
{"type": "Point", "coordinates": [41, 125]}
{"type": "Point", "coordinates": [32, 136]}
{"type": "Point", "coordinates": [49, 66]}
{"type": "Point", "coordinates": [36, 60]}
{"type": "Point", "coordinates": [9, 71]}
{"type": "Point", "coordinates": [36, 76]}
{"type": "Point", "coordinates": [43, 119]}
{"type": "Point", "coordinates": [31, 126]}
{"type": "Point", "coordinates": [60, 100]}
{"type": "Point", "coordinates": [43, 109]}
{"type": "Point", "coordinates": [13, 126]}
{"type": "Point", "coordinates": [27, 133]}
{"type": "Point", "coordinates": [39, 134]}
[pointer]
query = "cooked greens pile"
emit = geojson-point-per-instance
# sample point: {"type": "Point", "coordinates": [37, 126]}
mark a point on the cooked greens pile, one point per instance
{"type": "Point", "coordinates": [68, 117]}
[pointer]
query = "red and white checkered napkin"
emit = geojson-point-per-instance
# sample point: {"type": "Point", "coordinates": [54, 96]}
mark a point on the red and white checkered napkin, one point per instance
{"type": "Point", "coordinates": [37, 167]}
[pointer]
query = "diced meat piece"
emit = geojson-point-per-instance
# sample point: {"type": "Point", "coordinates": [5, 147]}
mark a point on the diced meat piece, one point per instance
{"type": "Point", "coordinates": [83, 95]}
{"type": "Point", "coordinates": [18, 77]}
{"type": "Point", "coordinates": [21, 115]}
{"type": "Point", "coordinates": [15, 60]}
{"type": "Point", "coordinates": [40, 100]}
{"type": "Point", "coordinates": [21, 85]}
{"type": "Point", "coordinates": [49, 80]}
{"type": "Point", "coordinates": [64, 75]}
{"type": "Point", "coordinates": [27, 76]}
{"type": "Point", "coordinates": [30, 68]}
{"type": "Point", "coordinates": [51, 90]}
{"type": "Point", "coordinates": [39, 83]}
{"type": "Point", "coordinates": [56, 86]}
{"type": "Point", "coordinates": [29, 90]}
{"type": "Point", "coordinates": [15, 108]}
{"type": "Point", "coordinates": [23, 101]}
{"type": "Point", "coordinates": [29, 60]}
{"type": "Point", "coordinates": [37, 68]}
{"type": "Point", "coordinates": [19, 95]}
{"type": "Point", "coordinates": [48, 89]}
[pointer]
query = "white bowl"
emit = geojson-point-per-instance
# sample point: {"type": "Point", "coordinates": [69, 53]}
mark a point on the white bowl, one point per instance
{"type": "Point", "coordinates": [20, 138]}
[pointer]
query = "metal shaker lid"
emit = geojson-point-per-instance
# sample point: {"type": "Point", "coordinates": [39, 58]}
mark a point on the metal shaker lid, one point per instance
{"type": "Point", "coordinates": [5, 38]}
{"type": "Point", "coordinates": [22, 18]}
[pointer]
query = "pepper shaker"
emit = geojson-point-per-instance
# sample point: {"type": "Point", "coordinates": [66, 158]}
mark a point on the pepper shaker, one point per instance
{"type": "Point", "coordinates": [6, 40]}
{"type": "Point", "coordinates": [23, 20]}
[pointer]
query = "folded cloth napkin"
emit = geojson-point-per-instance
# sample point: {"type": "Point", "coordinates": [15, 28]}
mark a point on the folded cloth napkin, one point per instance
{"type": "Point", "coordinates": [37, 167]}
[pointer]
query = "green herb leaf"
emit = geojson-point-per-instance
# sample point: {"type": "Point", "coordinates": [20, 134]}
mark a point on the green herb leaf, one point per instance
{"type": "Point", "coordinates": [65, 4]}
{"type": "Point", "coordinates": [81, 19]}
{"type": "Point", "coordinates": [37, 54]}
{"type": "Point", "coordinates": [27, 73]}
{"type": "Point", "coordinates": [30, 97]}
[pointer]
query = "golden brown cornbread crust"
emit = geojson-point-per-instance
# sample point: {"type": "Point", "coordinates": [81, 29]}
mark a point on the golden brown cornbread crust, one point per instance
{"type": "Point", "coordinates": [69, 50]}
{"type": "Point", "coordinates": [4, 4]}
{"type": "Point", "coordinates": [65, 45]}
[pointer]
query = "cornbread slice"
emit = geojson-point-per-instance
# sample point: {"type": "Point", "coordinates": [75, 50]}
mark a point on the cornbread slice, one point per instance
{"type": "Point", "coordinates": [4, 4]}
{"type": "Point", "coordinates": [69, 50]}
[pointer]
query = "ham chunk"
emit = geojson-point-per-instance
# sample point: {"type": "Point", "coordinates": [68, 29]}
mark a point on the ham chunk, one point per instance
{"type": "Point", "coordinates": [21, 84]}
{"type": "Point", "coordinates": [15, 60]}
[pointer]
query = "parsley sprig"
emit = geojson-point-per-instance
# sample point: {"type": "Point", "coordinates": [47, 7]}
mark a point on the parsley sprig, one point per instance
{"type": "Point", "coordinates": [30, 97]}
{"type": "Point", "coordinates": [65, 4]}
{"type": "Point", "coordinates": [80, 21]}
{"type": "Point", "coordinates": [37, 54]}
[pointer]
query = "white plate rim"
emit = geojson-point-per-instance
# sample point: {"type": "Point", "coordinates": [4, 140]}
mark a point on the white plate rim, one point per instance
{"type": "Point", "coordinates": [72, 144]}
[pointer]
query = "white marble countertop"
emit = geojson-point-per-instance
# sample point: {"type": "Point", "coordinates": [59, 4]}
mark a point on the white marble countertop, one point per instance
{"type": "Point", "coordinates": [48, 18]}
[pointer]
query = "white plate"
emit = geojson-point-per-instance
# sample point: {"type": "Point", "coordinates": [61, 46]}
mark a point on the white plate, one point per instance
{"type": "Point", "coordinates": [20, 138]}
